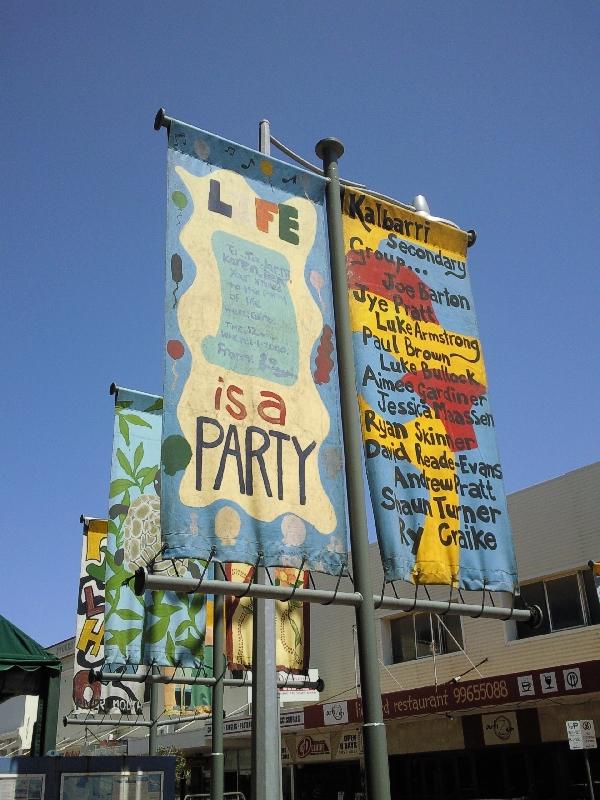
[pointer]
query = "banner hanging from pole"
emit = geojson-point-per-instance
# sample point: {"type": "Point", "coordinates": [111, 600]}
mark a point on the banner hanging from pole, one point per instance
{"type": "Point", "coordinates": [185, 700]}
{"type": "Point", "coordinates": [252, 456]}
{"type": "Point", "coordinates": [163, 628]}
{"type": "Point", "coordinates": [118, 696]}
{"type": "Point", "coordinates": [292, 622]}
{"type": "Point", "coordinates": [430, 448]}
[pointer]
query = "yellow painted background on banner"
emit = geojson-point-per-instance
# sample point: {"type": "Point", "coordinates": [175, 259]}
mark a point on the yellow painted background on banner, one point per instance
{"type": "Point", "coordinates": [291, 634]}
{"type": "Point", "coordinates": [434, 563]}
{"type": "Point", "coordinates": [306, 416]}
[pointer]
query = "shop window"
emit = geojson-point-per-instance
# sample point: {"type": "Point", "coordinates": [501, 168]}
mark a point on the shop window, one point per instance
{"type": "Point", "coordinates": [422, 635]}
{"type": "Point", "coordinates": [570, 601]}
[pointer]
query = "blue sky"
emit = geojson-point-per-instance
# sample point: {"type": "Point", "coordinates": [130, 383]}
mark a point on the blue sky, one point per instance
{"type": "Point", "coordinates": [489, 109]}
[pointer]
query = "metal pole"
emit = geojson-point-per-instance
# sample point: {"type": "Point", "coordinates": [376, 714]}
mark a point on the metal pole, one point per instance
{"type": "Point", "coordinates": [217, 758]}
{"type": "Point", "coordinates": [117, 723]}
{"type": "Point", "coordinates": [186, 680]}
{"type": "Point", "coordinates": [154, 700]}
{"type": "Point", "coordinates": [374, 734]}
{"type": "Point", "coordinates": [266, 741]}
{"type": "Point", "coordinates": [589, 775]}
{"type": "Point", "coordinates": [143, 581]}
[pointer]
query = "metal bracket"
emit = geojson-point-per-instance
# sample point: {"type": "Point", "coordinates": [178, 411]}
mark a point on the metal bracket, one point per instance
{"type": "Point", "coordinates": [162, 121]}
{"type": "Point", "coordinates": [335, 591]}
{"type": "Point", "coordinates": [291, 597]}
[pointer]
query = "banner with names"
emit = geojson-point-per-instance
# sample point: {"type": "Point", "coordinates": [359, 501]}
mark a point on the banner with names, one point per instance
{"type": "Point", "coordinates": [432, 463]}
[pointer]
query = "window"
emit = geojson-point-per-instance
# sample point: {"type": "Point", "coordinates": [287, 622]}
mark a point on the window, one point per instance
{"type": "Point", "coordinates": [567, 602]}
{"type": "Point", "coordinates": [420, 635]}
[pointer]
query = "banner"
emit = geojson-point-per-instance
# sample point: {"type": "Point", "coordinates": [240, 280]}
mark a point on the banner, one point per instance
{"type": "Point", "coordinates": [292, 623]}
{"type": "Point", "coordinates": [120, 697]}
{"type": "Point", "coordinates": [185, 700]}
{"type": "Point", "coordinates": [252, 455]}
{"type": "Point", "coordinates": [432, 464]}
{"type": "Point", "coordinates": [163, 628]}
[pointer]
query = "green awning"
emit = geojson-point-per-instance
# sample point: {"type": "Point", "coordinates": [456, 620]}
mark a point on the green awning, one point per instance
{"type": "Point", "coordinates": [24, 664]}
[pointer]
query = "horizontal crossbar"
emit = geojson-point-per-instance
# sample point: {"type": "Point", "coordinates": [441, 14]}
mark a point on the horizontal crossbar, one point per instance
{"type": "Point", "coordinates": [188, 680]}
{"type": "Point", "coordinates": [144, 581]}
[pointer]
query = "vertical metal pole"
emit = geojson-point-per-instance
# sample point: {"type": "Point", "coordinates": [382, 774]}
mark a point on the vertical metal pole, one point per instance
{"type": "Point", "coordinates": [266, 735]}
{"type": "Point", "coordinates": [152, 731]}
{"type": "Point", "coordinates": [374, 734]}
{"type": "Point", "coordinates": [217, 756]}
{"type": "Point", "coordinates": [589, 775]}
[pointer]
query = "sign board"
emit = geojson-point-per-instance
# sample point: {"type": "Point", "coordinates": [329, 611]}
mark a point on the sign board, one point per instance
{"type": "Point", "coordinates": [500, 728]}
{"type": "Point", "coordinates": [162, 628]}
{"type": "Point", "coordinates": [432, 464]}
{"type": "Point", "coordinates": [313, 747]}
{"type": "Point", "coordinates": [118, 696]}
{"type": "Point", "coordinates": [495, 690]}
{"type": "Point", "coordinates": [252, 458]}
{"type": "Point", "coordinates": [349, 746]}
{"type": "Point", "coordinates": [243, 725]}
{"type": "Point", "coordinates": [582, 735]}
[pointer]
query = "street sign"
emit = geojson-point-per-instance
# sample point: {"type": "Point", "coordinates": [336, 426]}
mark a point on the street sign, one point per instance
{"type": "Point", "coordinates": [581, 733]}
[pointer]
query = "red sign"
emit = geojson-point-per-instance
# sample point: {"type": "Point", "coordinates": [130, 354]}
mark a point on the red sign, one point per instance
{"type": "Point", "coordinates": [497, 690]}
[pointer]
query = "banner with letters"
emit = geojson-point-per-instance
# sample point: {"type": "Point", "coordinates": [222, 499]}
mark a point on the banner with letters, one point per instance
{"type": "Point", "coordinates": [252, 456]}
{"type": "Point", "coordinates": [161, 627]}
{"type": "Point", "coordinates": [292, 622]}
{"type": "Point", "coordinates": [432, 464]}
{"type": "Point", "coordinates": [118, 697]}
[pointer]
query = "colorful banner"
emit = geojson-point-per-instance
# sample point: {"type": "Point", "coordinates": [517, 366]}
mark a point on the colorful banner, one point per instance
{"type": "Point", "coordinates": [432, 464]}
{"type": "Point", "coordinates": [163, 628]}
{"type": "Point", "coordinates": [185, 700]}
{"type": "Point", "coordinates": [119, 697]}
{"type": "Point", "coordinates": [252, 455]}
{"type": "Point", "coordinates": [292, 622]}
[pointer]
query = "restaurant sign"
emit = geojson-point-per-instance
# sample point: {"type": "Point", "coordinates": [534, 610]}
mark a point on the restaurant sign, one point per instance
{"type": "Point", "coordinates": [493, 691]}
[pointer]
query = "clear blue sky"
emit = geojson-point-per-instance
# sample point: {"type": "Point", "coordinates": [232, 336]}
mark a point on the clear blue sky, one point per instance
{"type": "Point", "coordinates": [489, 109]}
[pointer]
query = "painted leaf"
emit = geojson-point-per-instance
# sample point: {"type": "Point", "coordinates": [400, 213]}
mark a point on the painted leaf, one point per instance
{"type": "Point", "coordinates": [120, 485]}
{"type": "Point", "coordinates": [127, 613]}
{"type": "Point", "coordinates": [193, 644]}
{"type": "Point", "coordinates": [124, 429]}
{"type": "Point", "coordinates": [97, 572]}
{"type": "Point", "coordinates": [182, 626]}
{"type": "Point", "coordinates": [138, 455]}
{"type": "Point", "coordinates": [170, 648]}
{"type": "Point", "coordinates": [133, 419]}
{"type": "Point", "coordinates": [164, 609]}
{"type": "Point", "coordinates": [157, 631]}
{"type": "Point", "coordinates": [146, 475]}
{"type": "Point", "coordinates": [122, 638]}
{"type": "Point", "coordinates": [157, 405]}
{"type": "Point", "coordinates": [297, 636]}
{"type": "Point", "coordinates": [124, 462]}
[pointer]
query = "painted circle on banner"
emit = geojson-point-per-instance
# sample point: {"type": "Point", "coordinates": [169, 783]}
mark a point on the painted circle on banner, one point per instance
{"type": "Point", "coordinates": [179, 199]}
{"type": "Point", "coordinates": [266, 168]}
{"type": "Point", "coordinates": [227, 525]}
{"type": "Point", "coordinates": [175, 348]}
{"type": "Point", "coordinates": [293, 529]}
{"type": "Point", "coordinates": [201, 149]}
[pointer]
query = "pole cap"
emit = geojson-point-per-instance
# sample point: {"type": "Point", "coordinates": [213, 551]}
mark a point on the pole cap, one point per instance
{"type": "Point", "coordinates": [139, 581]}
{"type": "Point", "coordinates": [331, 144]}
{"type": "Point", "coordinates": [537, 617]}
{"type": "Point", "coordinates": [161, 120]}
